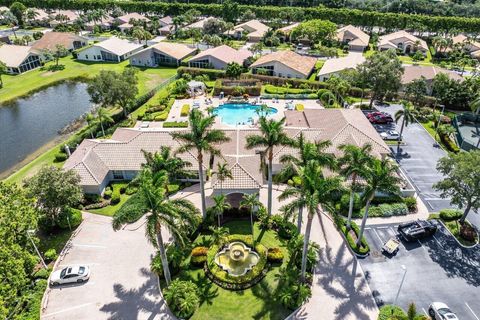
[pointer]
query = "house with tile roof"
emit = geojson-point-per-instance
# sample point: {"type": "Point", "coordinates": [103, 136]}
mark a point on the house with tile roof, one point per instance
{"type": "Point", "coordinates": [403, 41]}
{"type": "Point", "coordinates": [63, 16]}
{"type": "Point", "coordinates": [113, 49]}
{"type": "Point", "coordinates": [285, 64]}
{"type": "Point", "coordinates": [253, 29]}
{"type": "Point", "coordinates": [124, 21]}
{"type": "Point", "coordinates": [332, 67]}
{"type": "Point", "coordinates": [100, 161]}
{"type": "Point", "coordinates": [162, 53]}
{"type": "Point", "coordinates": [471, 45]}
{"type": "Point", "coordinates": [19, 59]}
{"type": "Point", "coordinates": [355, 38]}
{"type": "Point", "coordinates": [428, 73]}
{"type": "Point", "coordinates": [51, 39]}
{"type": "Point", "coordinates": [219, 57]}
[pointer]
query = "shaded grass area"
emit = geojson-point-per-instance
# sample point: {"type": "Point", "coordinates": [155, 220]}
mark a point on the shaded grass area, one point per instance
{"type": "Point", "coordinates": [454, 228]}
{"type": "Point", "coordinates": [16, 86]}
{"type": "Point", "coordinates": [55, 239]}
{"type": "Point", "coordinates": [259, 302]}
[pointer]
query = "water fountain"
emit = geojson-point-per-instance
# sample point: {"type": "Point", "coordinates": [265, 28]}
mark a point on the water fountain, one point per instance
{"type": "Point", "coordinates": [237, 259]}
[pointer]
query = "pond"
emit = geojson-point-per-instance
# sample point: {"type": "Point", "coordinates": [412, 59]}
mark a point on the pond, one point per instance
{"type": "Point", "coordinates": [30, 123]}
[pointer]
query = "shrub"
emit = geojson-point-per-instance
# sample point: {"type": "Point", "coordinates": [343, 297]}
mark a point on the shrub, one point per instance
{"type": "Point", "coordinates": [115, 197]}
{"type": "Point", "coordinates": [50, 254]}
{"type": "Point", "coordinates": [41, 274]}
{"type": "Point", "coordinates": [161, 116]}
{"type": "Point", "coordinates": [411, 203]}
{"type": "Point", "coordinates": [108, 193]}
{"type": "Point", "coordinates": [345, 203]}
{"type": "Point", "coordinates": [299, 107]}
{"type": "Point", "coordinates": [286, 230]}
{"type": "Point", "coordinates": [123, 188]}
{"type": "Point", "coordinates": [390, 312]}
{"type": "Point", "coordinates": [175, 124]}
{"type": "Point", "coordinates": [69, 218]}
{"type": "Point", "coordinates": [467, 232]}
{"type": "Point", "coordinates": [182, 298]}
{"type": "Point", "coordinates": [133, 208]}
{"type": "Point", "coordinates": [388, 210]}
{"type": "Point", "coordinates": [450, 214]}
{"type": "Point", "coordinates": [198, 261]}
{"type": "Point", "coordinates": [211, 73]}
{"type": "Point", "coordinates": [364, 248]}
{"type": "Point", "coordinates": [199, 251]}
{"type": "Point", "coordinates": [131, 190]}
{"type": "Point", "coordinates": [274, 255]}
{"type": "Point", "coordinates": [60, 157]}
{"type": "Point", "coordinates": [185, 110]}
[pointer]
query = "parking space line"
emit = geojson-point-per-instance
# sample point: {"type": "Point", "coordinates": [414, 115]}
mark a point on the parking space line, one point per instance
{"type": "Point", "coordinates": [421, 245]}
{"type": "Point", "coordinates": [89, 246]}
{"type": "Point", "coordinates": [441, 246]}
{"type": "Point", "coordinates": [424, 311]}
{"type": "Point", "coordinates": [68, 309]}
{"type": "Point", "coordinates": [376, 233]}
{"type": "Point", "coordinates": [383, 227]}
{"type": "Point", "coordinates": [471, 311]}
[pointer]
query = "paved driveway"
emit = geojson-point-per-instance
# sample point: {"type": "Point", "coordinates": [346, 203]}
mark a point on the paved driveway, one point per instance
{"type": "Point", "coordinates": [438, 269]}
{"type": "Point", "coordinates": [121, 285]}
{"type": "Point", "coordinates": [418, 158]}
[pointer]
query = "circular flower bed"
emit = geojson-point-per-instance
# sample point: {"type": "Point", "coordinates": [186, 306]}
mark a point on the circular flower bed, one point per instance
{"type": "Point", "coordinates": [223, 279]}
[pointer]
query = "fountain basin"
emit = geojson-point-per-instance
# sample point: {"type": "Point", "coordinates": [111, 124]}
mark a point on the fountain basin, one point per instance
{"type": "Point", "coordinates": [237, 259]}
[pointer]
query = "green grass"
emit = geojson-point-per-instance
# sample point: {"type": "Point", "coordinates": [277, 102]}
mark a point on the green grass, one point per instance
{"type": "Point", "coordinates": [111, 209]}
{"type": "Point", "coordinates": [318, 65]}
{"type": "Point", "coordinates": [430, 127]}
{"type": "Point", "coordinates": [258, 302]}
{"type": "Point", "coordinates": [16, 86]}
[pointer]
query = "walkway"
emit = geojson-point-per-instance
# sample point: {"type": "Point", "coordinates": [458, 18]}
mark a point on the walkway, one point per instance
{"type": "Point", "coordinates": [340, 290]}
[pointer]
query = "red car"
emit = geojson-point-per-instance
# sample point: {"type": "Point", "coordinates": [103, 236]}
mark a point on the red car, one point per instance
{"type": "Point", "coordinates": [381, 119]}
{"type": "Point", "coordinates": [374, 114]}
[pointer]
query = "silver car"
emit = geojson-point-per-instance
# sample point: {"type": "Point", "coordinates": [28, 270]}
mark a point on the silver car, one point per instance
{"type": "Point", "coordinates": [440, 311]}
{"type": "Point", "coordinates": [70, 274]}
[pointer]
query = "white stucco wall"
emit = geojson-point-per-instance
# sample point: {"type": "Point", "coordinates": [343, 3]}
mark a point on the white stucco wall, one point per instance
{"type": "Point", "coordinates": [89, 53]}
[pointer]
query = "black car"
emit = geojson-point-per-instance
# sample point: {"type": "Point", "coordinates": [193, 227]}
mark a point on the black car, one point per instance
{"type": "Point", "coordinates": [411, 231]}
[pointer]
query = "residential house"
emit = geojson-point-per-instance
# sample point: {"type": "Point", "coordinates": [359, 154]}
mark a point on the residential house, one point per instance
{"type": "Point", "coordinates": [471, 45]}
{"type": "Point", "coordinates": [287, 30]}
{"type": "Point", "coordinates": [124, 22]}
{"type": "Point", "coordinates": [19, 59]}
{"type": "Point", "coordinates": [219, 57]}
{"type": "Point", "coordinates": [99, 162]}
{"type": "Point", "coordinates": [162, 53]}
{"type": "Point", "coordinates": [332, 67]}
{"type": "Point", "coordinates": [198, 24]}
{"type": "Point", "coordinates": [356, 39]}
{"type": "Point", "coordinates": [253, 29]}
{"type": "Point", "coordinates": [402, 41]}
{"type": "Point", "coordinates": [51, 39]}
{"type": "Point", "coordinates": [104, 24]}
{"type": "Point", "coordinates": [285, 63]}
{"type": "Point", "coordinates": [166, 25]}
{"type": "Point", "coordinates": [63, 16]}
{"type": "Point", "coordinates": [113, 49]}
{"type": "Point", "coordinates": [413, 72]}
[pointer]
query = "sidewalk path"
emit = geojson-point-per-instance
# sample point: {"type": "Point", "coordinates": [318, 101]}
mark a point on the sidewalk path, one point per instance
{"type": "Point", "coordinates": [340, 290]}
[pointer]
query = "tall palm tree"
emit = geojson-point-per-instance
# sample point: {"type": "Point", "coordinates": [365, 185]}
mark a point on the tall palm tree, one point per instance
{"type": "Point", "coordinates": [223, 173]}
{"type": "Point", "coordinates": [353, 165]}
{"type": "Point", "coordinates": [220, 205]}
{"type": "Point", "coordinates": [380, 177]}
{"type": "Point", "coordinates": [175, 215]}
{"type": "Point", "coordinates": [91, 122]}
{"type": "Point", "coordinates": [272, 135]}
{"type": "Point", "coordinates": [292, 164]}
{"type": "Point", "coordinates": [475, 106]}
{"type": "Point", "coordinates": [406, 114]}
{"type": "Point", "coordinates": [318, 191]}
{"type": "Point", "coordinates": [251, 202]}
{"type": "Point", "coordinates": [164, 160]}
{"type": "Point", "coordinates": [201, 138]}
{"type": "Point", "coordinates": [103, 116]}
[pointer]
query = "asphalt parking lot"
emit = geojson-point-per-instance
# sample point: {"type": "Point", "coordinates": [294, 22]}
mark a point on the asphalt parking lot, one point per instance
{"type": "Point", "coordinates": [438, 269]}
{"type": "Point", "coordinates": [121, 285]}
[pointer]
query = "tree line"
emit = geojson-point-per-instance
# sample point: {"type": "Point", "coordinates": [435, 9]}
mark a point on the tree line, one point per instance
{"type": "Point", "coordinates": [230, 11]}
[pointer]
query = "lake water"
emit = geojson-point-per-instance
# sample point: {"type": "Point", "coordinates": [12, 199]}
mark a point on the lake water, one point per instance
{"type": "Point", "coordinates": [30, 123]}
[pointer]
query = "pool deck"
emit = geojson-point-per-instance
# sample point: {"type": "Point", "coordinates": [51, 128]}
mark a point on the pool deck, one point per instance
{"type": "Point", "coordinates": [280, 105]}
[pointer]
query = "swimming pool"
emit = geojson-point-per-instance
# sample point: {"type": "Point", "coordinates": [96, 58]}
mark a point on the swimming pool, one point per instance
{"type": "Point", "coordinates": [239, 113]}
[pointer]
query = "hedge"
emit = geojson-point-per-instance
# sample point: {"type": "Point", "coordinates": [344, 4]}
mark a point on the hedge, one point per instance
{"type": "Point", "coordinates": [70, 218]}
{"type": "Point", "coordinates": [364, 248]}
{"type": "Point", "coordinates": [241, 87]}
{"type": "Point", "coordinates": [175, 124]}
{"type": "Point", "coordinates": [213, 74]}
{"type": "Point", "coordinates": [450, 214]}
{"type": "Point", "coordinates": [185, 110]}
{"type": "Point", "coordinates": [388, 210]}
{"type": "Point", "coordinates": [345, 16]}
{"type": "Point", "coordinates": [133, 209]}
{"type": "Point", "coordinates": [275, 255]}
{"type": "Point", "coordinates": [391, 312]}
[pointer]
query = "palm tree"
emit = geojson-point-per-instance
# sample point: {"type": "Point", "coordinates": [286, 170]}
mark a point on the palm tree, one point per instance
{"type": "Point", "coordinates": [104, 116]}
{"type": "Point", "coordinates": [219, 234]}
{"type": "Point", "coordinates": [200, 138]}
{"type": "Point", "coordinates": [272, 135]}
{"type": "Point", "coordinates": [165, 160]}
{"type": "Point", "coordinates": [175, 215]}
{"type": "Point", "coordinates": [223, 173]}
{"type": "Point", "coordinates": [251, 202]}
{"type": "Point", "coordinates": [91, 122]}
{"type": "Point", "coordinates": [380, 177]}
{"type": "Point", "coordinates": [353, 164]}
{"type": "Point", "coordinates": [475, 106]}
{"type": "Point", "coordinates": [317, 190]}
{"type": "Point", "coordinates": [292, 164]}
{"type": "Point", "coordinates": [221, 204]}
{"type": "Point", "coordinates": [406, 114]}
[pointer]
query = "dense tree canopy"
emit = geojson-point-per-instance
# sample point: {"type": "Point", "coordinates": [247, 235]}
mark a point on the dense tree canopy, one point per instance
{"type": "Point", "coordinates": [314, 30]}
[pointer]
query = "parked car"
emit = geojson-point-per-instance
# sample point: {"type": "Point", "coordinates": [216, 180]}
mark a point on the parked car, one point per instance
{"type": "Point", "coordinates": [374, 114]}
{"type": "Point", "coordinates": [381, 119]}
{"type": "Point", "coordinates": [440, 311]}
{"type": "Point", "coordinates": [70, 274]}
{"type": "Point", "coordinates": [390, 135]}
{"type": "Point", "coordinates": [411, 231]}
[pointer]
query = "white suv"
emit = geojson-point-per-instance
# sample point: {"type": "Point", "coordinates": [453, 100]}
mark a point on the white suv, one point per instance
{"type": "Point", "coordinates": [440, 311]}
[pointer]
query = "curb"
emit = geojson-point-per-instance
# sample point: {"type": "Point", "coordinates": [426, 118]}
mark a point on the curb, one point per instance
{"type": "Point", "coordinates": [458, 242]}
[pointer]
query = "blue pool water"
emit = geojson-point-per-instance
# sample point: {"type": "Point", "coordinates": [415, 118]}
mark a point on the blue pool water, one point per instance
{"type": "Point", "coordinates": [239, 113]}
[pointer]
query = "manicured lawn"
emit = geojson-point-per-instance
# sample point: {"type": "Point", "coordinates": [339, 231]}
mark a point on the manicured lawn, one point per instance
{"type": "Point", "coordinates": [17, 86]}
{"type": "Point", "coordinates": [111, 209]}
{"type": "Point", "coordinates": [259, 302]}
